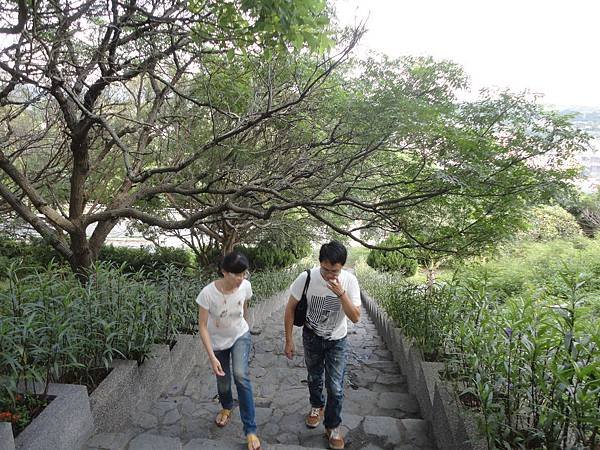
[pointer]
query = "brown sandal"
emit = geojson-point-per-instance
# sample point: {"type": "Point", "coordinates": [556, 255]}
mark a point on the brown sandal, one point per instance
{"type": "Point", "coordinates": [252, 441]}
{"type": "Point", "coordinates": [223, 417]}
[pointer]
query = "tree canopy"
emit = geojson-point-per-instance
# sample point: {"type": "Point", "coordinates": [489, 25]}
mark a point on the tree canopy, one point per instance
{"type": "Point", "coordinates": [234, 113]}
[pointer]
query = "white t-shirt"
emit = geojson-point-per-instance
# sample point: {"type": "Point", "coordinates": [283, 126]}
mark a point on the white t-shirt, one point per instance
{"type": "Point", "coordinates": [226, 321]}
{"type": "Point", "coordinates": [325, 315]}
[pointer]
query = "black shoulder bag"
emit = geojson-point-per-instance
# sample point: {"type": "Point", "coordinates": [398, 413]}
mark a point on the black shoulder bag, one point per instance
{"type": "Point", "coordinates": [300, 311]}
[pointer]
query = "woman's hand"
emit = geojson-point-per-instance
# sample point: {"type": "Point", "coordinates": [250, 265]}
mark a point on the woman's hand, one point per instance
{"type": "Point", "coordinates": [216, 367]}
{"type": "Point", "coordinates": [289, 349]}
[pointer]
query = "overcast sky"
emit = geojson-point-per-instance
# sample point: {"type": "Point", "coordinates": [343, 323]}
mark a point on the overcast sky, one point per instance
{"type": "Point", "coordinates": [546, 46]}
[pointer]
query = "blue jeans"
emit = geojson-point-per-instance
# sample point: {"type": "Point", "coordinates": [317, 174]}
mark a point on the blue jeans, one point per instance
{"type": "Point", "coordinates": [329, 356]}
{"type": "Point", "coordinates": [239, 354]}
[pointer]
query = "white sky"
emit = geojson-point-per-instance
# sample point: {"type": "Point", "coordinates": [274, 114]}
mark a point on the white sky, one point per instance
{"type": "Point", "coordinates": [545, 46]}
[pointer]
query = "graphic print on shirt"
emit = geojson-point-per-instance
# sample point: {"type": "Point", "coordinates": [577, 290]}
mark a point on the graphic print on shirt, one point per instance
{"type": "Point", "coordinates": [323, 313]}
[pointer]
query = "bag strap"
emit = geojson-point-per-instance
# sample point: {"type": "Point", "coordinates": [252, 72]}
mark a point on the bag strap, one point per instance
{"type": "Point", "coordinates": [307, 282]}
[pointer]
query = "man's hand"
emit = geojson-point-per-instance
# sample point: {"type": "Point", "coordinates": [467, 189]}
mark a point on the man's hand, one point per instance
{"type": "Point", "coordinates": [289, 349]}
{"type": "Point", "coordinates": [335, 286]}
{"type": "Point", "coordinates": [216, 367]}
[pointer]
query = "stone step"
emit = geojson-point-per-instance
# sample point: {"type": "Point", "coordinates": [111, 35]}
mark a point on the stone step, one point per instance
{"type": "Point", "coordinates": [207, 444]}
{"type": "Point", "coordinates": [152, 441]}
{"type": "Point", "coordinates": [378, 411]}
{"type": "Point", "coordinates": [401, 433]}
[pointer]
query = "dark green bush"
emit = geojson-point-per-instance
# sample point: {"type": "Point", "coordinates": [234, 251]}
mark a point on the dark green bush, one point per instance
{"type": "Point", "coordinates": [142, 259]}
{"type": "Point", "coordinates": [275, 254]}
{"type": "Point", "coordinates": [392, 260]}
{"type": "Point", "coordinates": [36, 253]}
{"type": "Point", "coordinates": [31, 253]}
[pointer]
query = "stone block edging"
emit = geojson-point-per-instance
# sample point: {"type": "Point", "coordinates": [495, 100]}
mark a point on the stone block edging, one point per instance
{"type": "Point", "coordinates": [66, 423]}
{"type": "Point", "coordinates": [452, 428]}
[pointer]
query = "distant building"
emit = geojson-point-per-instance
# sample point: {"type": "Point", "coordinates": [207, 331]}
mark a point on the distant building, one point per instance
{"type": "Point", "coordinates": [590, 162]}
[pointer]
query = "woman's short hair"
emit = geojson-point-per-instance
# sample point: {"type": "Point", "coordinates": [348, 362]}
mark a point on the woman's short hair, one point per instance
{"type": "Point", "coordinates": [234, 262]}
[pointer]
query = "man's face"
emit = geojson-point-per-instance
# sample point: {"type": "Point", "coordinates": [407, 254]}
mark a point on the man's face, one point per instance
{"type": "Point", "coordinates": [330, 271]}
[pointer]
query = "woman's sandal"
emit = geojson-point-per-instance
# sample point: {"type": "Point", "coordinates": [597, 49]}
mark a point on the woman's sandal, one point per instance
{"type": "Point", "coordinates": [253, 442]}
{"type": "Point", "coordinates": [223, 417]}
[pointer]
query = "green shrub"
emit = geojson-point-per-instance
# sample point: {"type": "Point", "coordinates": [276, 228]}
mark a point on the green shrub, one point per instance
{"type": "Point", "coordinates": [530, 364]}
{"type": "Point", "coordinates": [392, 260]}
{"type": "Point", "coordinates": [53, 328]}
{"type": "Point", "coordinates": [35, 253]}
{"type": "Point", "coordinates": [529, 268]}
{"type": "Point", "coordinates": [141, 259]}
{"type": "Point", "coordinates": [270, 254]}
{"type": "Point", "coordinates": [547, 223]}
{"type": "Point", "coordinates": [421, 313]}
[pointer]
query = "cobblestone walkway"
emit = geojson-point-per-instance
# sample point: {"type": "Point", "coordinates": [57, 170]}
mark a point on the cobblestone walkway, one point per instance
{"type": "Point", "coordinates": [378, 412]}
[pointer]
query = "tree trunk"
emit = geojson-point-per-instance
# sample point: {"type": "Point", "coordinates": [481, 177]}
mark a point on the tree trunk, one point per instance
{"type": "Point", "coordinates": [431, 271]}
{"type": "Point", "coordinates": [81, 260]}
{"type": "Point", "coordinates": [230, 239]}
{"type": "Point", "coordinates": [229, 244]}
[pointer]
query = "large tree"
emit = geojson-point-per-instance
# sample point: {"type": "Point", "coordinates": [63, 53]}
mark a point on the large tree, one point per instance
{"type": "Point", "coordinates": [135, 110]}
{"type": "Point", "coordinates": [99, 101]}
{"type": "Point", "coordinates": [452, 177]}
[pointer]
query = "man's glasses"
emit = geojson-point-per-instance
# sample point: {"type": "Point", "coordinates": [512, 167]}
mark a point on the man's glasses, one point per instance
{"type": "Point", "coordinates": [325, 271]}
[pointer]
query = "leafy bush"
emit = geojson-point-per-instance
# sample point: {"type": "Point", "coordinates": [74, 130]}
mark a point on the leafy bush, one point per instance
{"type": "Point", "coordinates": [36, 253]}
{"type": "Point", "coordinates": [270, 254]}
{"type": "Point", "coordinates": [422, 313]}
{"type": "Point", "coordinates": [547, 223]}
{"type": "Point", "coordinates": [53, 328]}
{"type": "Point", "coordinates": [392, 260]}
{"type": "Point", "coordinates": [532, 268]}
{"type": "Point", "coordinates": [529, 361]}
{"type": "Point", "coordinates": [33, 252]}
{"type": "Point", "coordinates": [133, 260]}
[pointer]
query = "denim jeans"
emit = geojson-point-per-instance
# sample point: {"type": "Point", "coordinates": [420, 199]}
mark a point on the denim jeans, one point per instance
{"type": "Point", "coordinates": [329, 356]}
{"type": "Point", "coordinates": [239, 354]}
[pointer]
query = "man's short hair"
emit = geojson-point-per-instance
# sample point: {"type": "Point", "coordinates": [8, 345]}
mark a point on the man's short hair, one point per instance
{"type": "Point", "coordinates": [334, 252]}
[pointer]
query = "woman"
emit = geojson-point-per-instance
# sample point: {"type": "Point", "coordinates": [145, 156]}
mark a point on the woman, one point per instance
{"type": "Point", "coordinates": [226, 336]}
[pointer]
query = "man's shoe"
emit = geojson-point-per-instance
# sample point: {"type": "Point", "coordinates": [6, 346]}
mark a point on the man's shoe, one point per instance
{"type": "Point", "coordinates": [336, 441]}
{"type": "Point", "coordinates": [314, 418]}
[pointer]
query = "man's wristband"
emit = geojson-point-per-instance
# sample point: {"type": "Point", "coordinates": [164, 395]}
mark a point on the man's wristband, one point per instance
{"type": "Point", "coordinates": [342, 294]}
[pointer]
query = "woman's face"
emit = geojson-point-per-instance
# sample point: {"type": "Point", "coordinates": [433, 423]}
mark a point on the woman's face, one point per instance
{"type": "Point", "coordinates": [235, 279]}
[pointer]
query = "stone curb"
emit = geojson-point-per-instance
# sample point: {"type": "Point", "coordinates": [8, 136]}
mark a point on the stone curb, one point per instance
{"type": "Point", "coordinates": [7, 442]}
{"type": "Point", "coordinates": [128, 384]}
{"type": "Point", "coordinates": [452, 428]}
{"type": "Point", "coordinates": [66, 423]}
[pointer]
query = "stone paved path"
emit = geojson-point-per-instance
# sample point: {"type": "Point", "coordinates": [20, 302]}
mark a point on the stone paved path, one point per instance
{"type": "Point", "coordinates": [378, 412]}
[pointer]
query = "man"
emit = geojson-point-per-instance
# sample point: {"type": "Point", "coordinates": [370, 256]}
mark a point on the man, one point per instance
{"type": "Point", "coordinates": [333, 294]}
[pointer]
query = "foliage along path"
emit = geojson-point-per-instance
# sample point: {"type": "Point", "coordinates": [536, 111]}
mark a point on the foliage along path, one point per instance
{"type": "Point", "coordinates": [378, 412]}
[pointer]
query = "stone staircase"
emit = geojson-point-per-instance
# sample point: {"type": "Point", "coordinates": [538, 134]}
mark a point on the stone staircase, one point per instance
{"type": "Point", "coordinates": [378, 411]}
